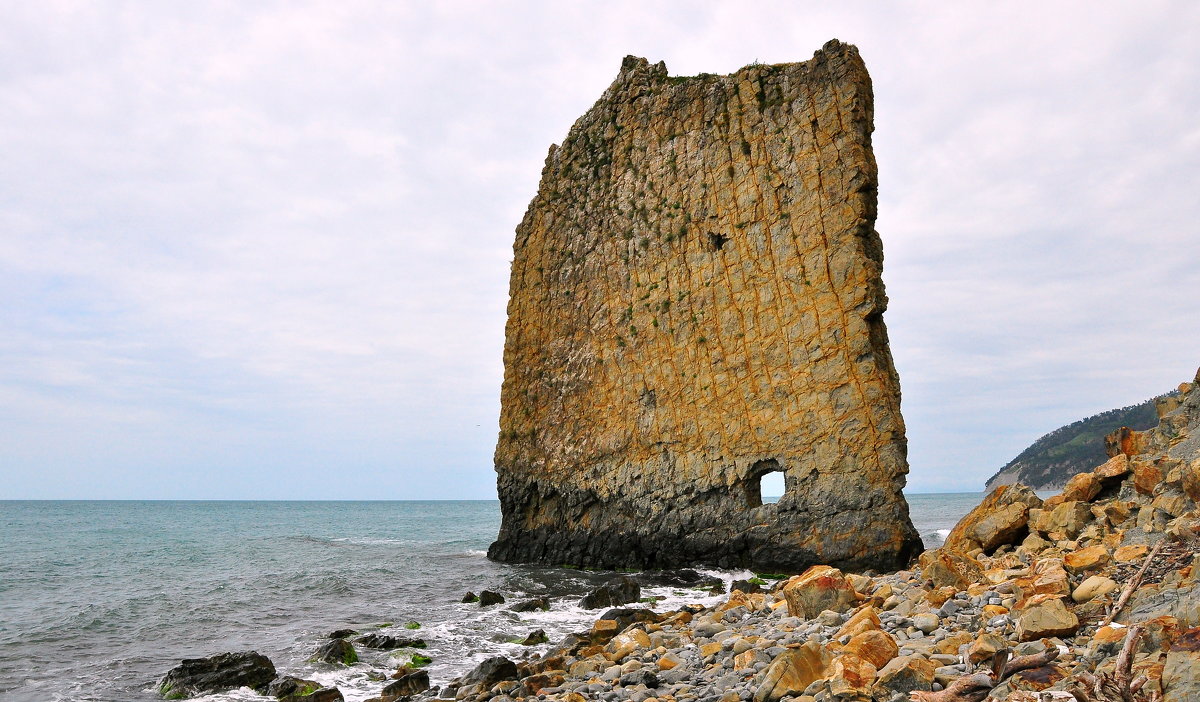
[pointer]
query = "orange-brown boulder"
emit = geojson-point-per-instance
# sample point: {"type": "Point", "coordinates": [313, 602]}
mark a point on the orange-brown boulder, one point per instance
{"type": "Point", "coordinates": [817, 589]}
{"type": "Point", "coordinates": [1044, 616]}
{"type": "Point", "coordinates": [1125, 441]}
{"type": "Point", "coordinates": [1146, 476]}
{"type": "Point", "coordinates": [1082, 486]}
{"type": "Point", "coordinates": [1132, 552]}
{"type": "Point", "coordinates": [1085, 559]}
{"type": "Point", "coordinates": [1049, 577]}
{"type": "Point", "coordinates": [851, 675]}
{"type": "Point", "coordinates": [1191, 480]}
{"type": "Point", "coordinates": [863, 620]}
{"type": "Point", "coordinates": [875, 646]}
{"type": "Point", "coordinates": [948, 568]}
{"type": "Point", "coordinates": [1001, 518]}
{"type": "Point", "coordinates": [1115, 467]}
{"type": "Point", "coordinates": [792, 671]}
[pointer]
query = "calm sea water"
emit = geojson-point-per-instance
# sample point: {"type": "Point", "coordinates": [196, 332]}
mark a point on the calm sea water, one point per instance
{"type": "Point", "coordinates": [99, 599]}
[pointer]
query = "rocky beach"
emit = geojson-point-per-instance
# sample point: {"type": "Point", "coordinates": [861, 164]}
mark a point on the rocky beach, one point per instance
{"type": "Point", "coordinates": [1090, 595]}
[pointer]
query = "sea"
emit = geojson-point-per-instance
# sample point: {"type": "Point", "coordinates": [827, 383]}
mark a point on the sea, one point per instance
{"type": "Point", "coordinates": [98, 599]}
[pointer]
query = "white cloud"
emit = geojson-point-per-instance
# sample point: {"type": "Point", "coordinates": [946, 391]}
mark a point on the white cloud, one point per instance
{"type": "Point", "coordinates": [257, 240]}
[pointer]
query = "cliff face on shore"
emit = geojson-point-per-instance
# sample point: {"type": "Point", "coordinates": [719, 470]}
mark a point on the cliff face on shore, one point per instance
{"type": "Point", "coordinates": [696, 301]}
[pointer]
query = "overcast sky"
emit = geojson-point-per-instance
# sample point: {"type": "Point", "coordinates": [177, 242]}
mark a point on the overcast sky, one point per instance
{"type": "Point", "coordinates": [261, 250]}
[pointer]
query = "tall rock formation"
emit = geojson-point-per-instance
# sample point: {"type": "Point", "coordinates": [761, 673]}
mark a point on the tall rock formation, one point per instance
{"type": "Point", "coordinates": [695, 302]}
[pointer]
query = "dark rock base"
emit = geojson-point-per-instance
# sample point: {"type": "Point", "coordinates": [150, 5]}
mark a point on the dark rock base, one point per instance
{"type": "Point", "coordinates": [852, 529]}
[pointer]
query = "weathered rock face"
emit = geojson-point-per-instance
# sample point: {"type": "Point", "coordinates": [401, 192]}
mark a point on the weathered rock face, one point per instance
{"type": "Point", "coordinates": [696, 301]}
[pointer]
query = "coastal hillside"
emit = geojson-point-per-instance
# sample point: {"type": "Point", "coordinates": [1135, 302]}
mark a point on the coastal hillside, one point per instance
{"type": "Point", "coordinates": [1076, 448]}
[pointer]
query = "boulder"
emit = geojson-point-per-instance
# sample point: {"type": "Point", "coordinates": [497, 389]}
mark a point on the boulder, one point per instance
{"type": "Point", "coordinates": [877, 647]}
{"type": "Point", "coordinates": [946, 568]}
{"type": "Point", "coordinates": [489, 672]}
{"type": "Point", "coordinates": [927, 622]}
{"type": "Point", "coordinates": [535, 637]}
{"type": "Point", "coordinates": [817, 589]}
{"type": "Point", "coordinates": [1085, 559]}
{"type": "Point", "coordinates": [865, 619]}
{"type": "Point", "coordinates": [851, 677]}
{"type": "Point", "coordinates": [532, 605]}
{"type": "Point", "coordinates": [1045, 616]}
{"type": "Point", "coordinates": [1190, 480]}
{"type": "Point", "coordinates": [1082, 487]}
{"type": "Point", "coordinates": [1095, 586]}
{"type": "Point", "coordinates": [1132, 552]}
{"type": "Point", "coordinates": [1002, 518]}
{"type": "Point", "coordinates": [640, 677]}
{"type": "Point", "coordinates": [745, 586]}
{"type": "Point", "coordinates": [1064, 521]}
{"type": "Point", "coordinates": [792, 671]}
{"type": "Point", "coordinates": [1181, 672]}
{"type": "Point", "coordinates": [618, 591]}
{"type": "Point", "coordinates": [1115, 467]}
{"type": "Point", "coordinates": [336, 652]}
{"type": "Point", "coordinates": [1146, 476]}
{"type": "Point", "coordinates": [341, 634]}
{"type": "Point", "coordinates": [624, 616]}
{"type": "Point", "coordinates": [291, 689]}
{"type": "Point", "coordinates": [985, 646]}
{"type": "Point", "coordinates": [409, 683]}
{"type": "Point", "coordinates": [325, 694]}
{"type": "Point", "coordinates": [1037, 679]}
{"type": "Point", "coordinates": [488, 598]}
{"type": "Point", "coordinates": [905, 674]}
{"type": "Point", "coordinates": [1117, 512]}
{"type": "Point", "coordinates": [225, 671]}
{"type": "Point", "coordinates": [291, 686]}
{"type": "Point", "coordinates": [466, 599]}
{"type": "Point", "coordinates": [384, 642]}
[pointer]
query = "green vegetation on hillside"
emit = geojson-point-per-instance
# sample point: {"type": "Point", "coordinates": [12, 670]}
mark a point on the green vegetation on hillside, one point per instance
{"type": "Point", "coordinates": [1076, 448]}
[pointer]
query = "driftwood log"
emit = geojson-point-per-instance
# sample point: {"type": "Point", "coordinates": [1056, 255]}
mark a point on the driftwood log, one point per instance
{"type": "Point", "coordinates": [1134, 582]}
{"type": "Point", "coordinates": [1119, 685]}
{"type": "Point", "coordinates": [977, 686]}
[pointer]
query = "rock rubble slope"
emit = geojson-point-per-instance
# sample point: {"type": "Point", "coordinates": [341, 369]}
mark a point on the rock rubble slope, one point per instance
{"type": "Point", "coordinates": [1090, 596]}
{"type": "Point", "coordinates": [696, 301]}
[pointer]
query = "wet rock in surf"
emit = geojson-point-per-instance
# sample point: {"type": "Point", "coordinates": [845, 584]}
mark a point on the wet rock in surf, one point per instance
{"type": "Point", "coordinates": [325, 694]}
{"type": "Point", "coordinates": [537, 636]}
{"type": "Point", "coordinates": [225, 671]}
{"type": "Point", "coordinates": [617, 591]}
{"type": "Point", "coordinates": [410, 683]}
{"type": "Point", "coordinates": [532, 605]}
{"type": "Point", "coordinates": [341, 634]}
{"type": "Point", "coordinates": [745, 586]}
{"type": "Point", "coordinates": [624, 616]}
{"type": "Point", "coordinates": [384, 642]}
{"type": "Point", "coordinates": [488, 598]}
{"type": "Point", "coordinates": [287, 688]}
{"type": "Point", "coordinates": [682, 577]}
{"type": "Point", "coordinates": [469, 597]}
{"type": "Point", "coordinates": [336, 652]}
{"type": "Point", "coordinates": [490, 671]}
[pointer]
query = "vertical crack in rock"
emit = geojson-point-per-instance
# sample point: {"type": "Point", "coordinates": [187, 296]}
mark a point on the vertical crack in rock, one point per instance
{"type": "Point", "coordinates": [695, 301]}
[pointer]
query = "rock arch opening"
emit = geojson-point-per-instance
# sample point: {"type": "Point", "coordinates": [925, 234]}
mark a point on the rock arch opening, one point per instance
{"type": "Point", "coordinates": [767, 483]}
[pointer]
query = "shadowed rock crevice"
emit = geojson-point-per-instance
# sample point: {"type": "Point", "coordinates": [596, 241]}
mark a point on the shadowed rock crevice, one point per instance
{"type": "Point", "coordinates": [695, 302]}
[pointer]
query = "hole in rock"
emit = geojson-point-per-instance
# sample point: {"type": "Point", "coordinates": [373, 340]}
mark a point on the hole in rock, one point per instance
{"type": "Point", "coordinates": [767, 483]}
{"type": "Point", "coordinates": [717, 240]}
